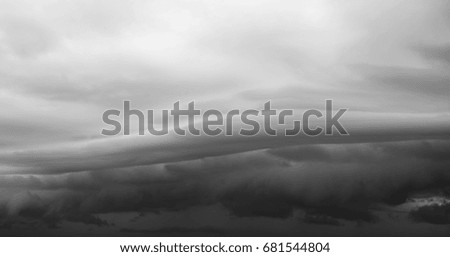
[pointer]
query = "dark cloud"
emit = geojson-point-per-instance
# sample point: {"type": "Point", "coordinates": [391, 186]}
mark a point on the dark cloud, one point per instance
{"type": "Point", "coordinates": [434, 214]}
{"type": "Point", "coordinates": [299, 153]}
{"type": "Point", "coordinates": [27, 209]}
{"type": "Point", "coordinates": [426, 82]}
{"type": "Point", "coordinates": [320, 219]}
{"type": "Point", "coordinates": [339, 183]}
{"type": "Point", "coordinates": [358, 213]}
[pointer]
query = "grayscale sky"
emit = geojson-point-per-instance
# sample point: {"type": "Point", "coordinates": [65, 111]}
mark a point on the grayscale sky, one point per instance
{"type": "Point", "coordinates": [63, 63]}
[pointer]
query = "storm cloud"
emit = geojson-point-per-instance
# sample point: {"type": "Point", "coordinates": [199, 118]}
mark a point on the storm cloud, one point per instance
{"type": "Point", "coordinates": [63, 64]}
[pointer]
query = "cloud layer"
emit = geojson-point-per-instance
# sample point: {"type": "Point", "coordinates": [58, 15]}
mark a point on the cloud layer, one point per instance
{"type": "Point", "coordinates": [63, 64]}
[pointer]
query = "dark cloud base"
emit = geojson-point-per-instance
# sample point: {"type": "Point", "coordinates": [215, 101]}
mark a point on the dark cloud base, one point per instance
{"type": "Point", "coordinates": [364, 189]}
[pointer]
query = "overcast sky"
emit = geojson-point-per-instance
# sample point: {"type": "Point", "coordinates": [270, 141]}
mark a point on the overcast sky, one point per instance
{"type": "Point", "coordinates": [63, 63]}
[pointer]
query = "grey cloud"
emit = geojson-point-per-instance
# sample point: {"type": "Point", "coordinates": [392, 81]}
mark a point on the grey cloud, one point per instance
{"type": "Point", "coordinates": [435, 214]}
{"type": "Point", "coordinates": [61, 66]}
{"type": "Point", "coordinates": [134, 150]}
{"type": "Point", "coordinates": [427, 82]}
{"type": "Point", "coordinates": [320, 219]}
{"type": "Point", "coordinates": [428, 150]}
{"type": "Point", "coordinates": [333, 190]}
{"type": "Point", "coordinates": [174, 231]}
{"type": "Point", "coordinates": [440, 53]}
{"type": "Point", "coordinates": [26, 37]}
{"type": "Point", "coordinates": [331, 214]}
{"type": "Point", "coordinates": [30, 210]}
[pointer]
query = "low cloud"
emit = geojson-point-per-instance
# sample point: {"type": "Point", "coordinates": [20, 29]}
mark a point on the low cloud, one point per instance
{"type": "Point", "coordinates": [339, 183]}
